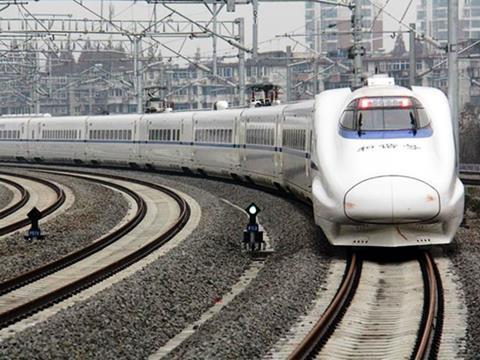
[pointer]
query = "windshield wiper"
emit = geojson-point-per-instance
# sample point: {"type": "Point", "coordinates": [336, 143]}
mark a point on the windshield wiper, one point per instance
{"type": "Point", "coordinates": [413, 122]}
{"type": "Point", "coordinates": [359, 124]}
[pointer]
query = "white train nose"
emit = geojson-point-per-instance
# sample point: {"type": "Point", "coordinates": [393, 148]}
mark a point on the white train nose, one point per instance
{"type": "Point", "coordinates": [392, 200]}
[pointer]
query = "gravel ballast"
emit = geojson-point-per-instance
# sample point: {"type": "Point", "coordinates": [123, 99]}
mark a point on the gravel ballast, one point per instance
{"type": "Point", "coordinates": [464, 252]}
{"type": "Point", "coordinates": [6, 196]}
{"type": "Point", "coordinates": [95, 212]}
{"type": "Point", "coordinates": [132, 319]}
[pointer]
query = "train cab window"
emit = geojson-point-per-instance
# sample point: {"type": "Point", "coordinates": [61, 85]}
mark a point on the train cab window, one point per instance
{"type": "Point", "coordinates": [385, 117]}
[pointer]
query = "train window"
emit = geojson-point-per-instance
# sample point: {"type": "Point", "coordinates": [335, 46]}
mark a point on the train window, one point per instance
{"type": "Point", "coordinates": [294, 138]}
{"type": "Point", "coordinates": [348, 119]}
{"type": "Point", "coordinates": [423, 120]}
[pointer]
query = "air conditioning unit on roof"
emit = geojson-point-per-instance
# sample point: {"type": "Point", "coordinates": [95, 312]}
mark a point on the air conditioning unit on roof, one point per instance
{"type": "Point", "coordinates": [380, 79]}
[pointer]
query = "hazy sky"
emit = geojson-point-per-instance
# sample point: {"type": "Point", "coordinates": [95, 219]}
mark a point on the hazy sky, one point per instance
{"type": "Point", "coordinates": [275, 19]}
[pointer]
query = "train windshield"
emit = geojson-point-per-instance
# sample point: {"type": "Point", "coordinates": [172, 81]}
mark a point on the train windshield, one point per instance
{"type": "Point", "coordinates": [385, 114]}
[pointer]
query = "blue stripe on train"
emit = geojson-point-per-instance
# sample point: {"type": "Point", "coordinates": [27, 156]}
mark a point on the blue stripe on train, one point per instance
{"type": "Point", "coordinates": [386, 134]}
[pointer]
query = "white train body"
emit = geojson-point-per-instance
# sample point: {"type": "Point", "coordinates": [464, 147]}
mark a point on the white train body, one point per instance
{"type": "Point", "coordinates": [373, 180]}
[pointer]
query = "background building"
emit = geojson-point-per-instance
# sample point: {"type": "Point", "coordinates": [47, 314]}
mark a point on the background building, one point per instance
{"type": "Point", "coordinates": [321, 19]}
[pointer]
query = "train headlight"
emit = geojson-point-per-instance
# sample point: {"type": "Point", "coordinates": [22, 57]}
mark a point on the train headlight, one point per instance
{"type": "Point", "coordinates": [252, 209]}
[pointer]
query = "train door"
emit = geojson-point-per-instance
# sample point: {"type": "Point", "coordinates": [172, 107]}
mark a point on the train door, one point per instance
{"type": "Point", "coordinates": [28, 138]}
{"type": "Point", "coordinates": [134, 153]}
{"type": "Point", "coordinates": [89, 147]}
{"type": "Point", "coordinates": [186, 141]}
{"type": "Point", "coordinates": [236, 141]}
{"type": "Point", "coordinates": [278, 160]}
{"type": "Point", "coordinates": [145, 147]}
{"type": "Point", "coordinates": [83, 136]}
{"type": "Point", "coordinates": [242, 140]}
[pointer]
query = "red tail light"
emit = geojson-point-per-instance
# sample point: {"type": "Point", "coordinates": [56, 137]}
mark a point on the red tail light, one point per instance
{"type": "Point", "coordinates": [385, 102]}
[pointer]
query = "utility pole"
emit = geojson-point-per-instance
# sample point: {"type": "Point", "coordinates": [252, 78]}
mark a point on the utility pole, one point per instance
{"type": "Point", "coordinates": [214, 40]}
{"type": "Point", "coordinates": [357, 44]}
{"type": "Point", "coordinates": [138, 73]}
{"type": "Point", "coordinates": [255, 30]}
{"type": "Point", "coordinates": [255, 39]}
{"type": "Point", "coordinates": [289, 73]}
{"type": "Point", "coordinates": [316, 86]}
{"type": "Point", "coordinates": [241, 62]}
{"type": "Point", "coordinates": [453, 71]}
{"type": "Point", "coordinates": [413, 57]}
{"type": "Point", "coordinates": [36, 85]}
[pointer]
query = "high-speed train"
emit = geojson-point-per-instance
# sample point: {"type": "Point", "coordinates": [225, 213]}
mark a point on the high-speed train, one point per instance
{"type": "Point", "coordinates": [378, 163]}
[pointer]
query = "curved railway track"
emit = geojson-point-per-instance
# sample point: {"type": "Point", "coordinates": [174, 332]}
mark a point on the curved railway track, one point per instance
{"type": "Point", "coordinates": [429, 331]}
{"type": "Point", "coordinates": [25, 309]}
{"type": "Point", "coordinates": [38, 273]}
{"type": "Point", "coordinates": [60, 199]}
{"type": "Point", "coordinates": [24, 197]}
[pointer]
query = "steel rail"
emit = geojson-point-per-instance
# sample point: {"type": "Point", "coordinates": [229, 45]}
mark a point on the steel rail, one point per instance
{"type": "Point", "coordinates": [432, 319]}
{"type": "Point", "coordinates": [44, 212]}
{"type": "Point", "coordinates": [57, 295]}
{"type": "Point", "coordinates": [24, 197]}
{"type": "Point", "coordinates": [317, 337]}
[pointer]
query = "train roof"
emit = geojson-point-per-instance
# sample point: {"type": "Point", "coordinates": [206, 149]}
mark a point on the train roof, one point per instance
{"type": "Point", "coordinates": [381, 90]}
